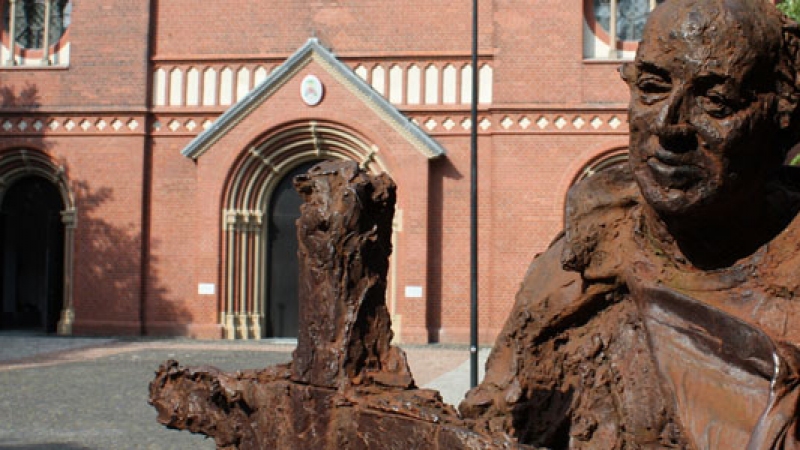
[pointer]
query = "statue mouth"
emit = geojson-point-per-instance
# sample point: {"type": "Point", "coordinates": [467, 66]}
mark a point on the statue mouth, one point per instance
{"type": "Point", "coordinates": [673, 171]}
{"type": "Point", "coordinates": [672, 158]}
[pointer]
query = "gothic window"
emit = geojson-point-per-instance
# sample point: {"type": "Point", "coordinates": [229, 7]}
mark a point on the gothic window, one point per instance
{"type": "Point", "coordinates": [614, 27]}
{"type": "Point", "coordinates": [34, 29]}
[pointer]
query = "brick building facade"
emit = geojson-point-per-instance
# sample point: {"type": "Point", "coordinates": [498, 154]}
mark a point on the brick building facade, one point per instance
{"type": "Point", "coordinates": [164, 133]}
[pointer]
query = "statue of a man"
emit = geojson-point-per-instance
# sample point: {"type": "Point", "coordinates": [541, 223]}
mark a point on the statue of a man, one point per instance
{"type": "Point", "coordinates": [668, 314]}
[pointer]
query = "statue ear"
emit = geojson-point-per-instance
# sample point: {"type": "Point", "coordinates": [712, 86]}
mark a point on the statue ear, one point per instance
{"type": "Point", "coordinates": [628, 72]}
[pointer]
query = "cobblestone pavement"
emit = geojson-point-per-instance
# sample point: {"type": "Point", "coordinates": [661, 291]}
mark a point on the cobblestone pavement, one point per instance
{"type": "Point", "coordinates": [91, 393]}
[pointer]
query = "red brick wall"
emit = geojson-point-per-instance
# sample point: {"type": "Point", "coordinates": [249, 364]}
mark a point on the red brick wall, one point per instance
{"type": "Point", "coordinates": [108, 60]}
{"type": "Point", "coordinates": [231, 27]}
{"type": "Point", "coordinates": [535, 50]}
{"type": "Point", "coordinates": [173, 306]}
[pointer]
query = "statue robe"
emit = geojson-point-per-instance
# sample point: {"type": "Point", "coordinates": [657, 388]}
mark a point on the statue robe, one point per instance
{"type": "Point", "coordinates": [614, 342]}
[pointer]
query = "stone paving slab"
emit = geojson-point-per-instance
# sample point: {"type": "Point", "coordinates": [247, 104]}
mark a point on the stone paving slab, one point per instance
{"type": "Point", "coordinates": [91, 393]}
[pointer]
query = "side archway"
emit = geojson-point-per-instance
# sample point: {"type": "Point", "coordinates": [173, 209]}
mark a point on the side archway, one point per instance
{"type": "Point", "coordinates": [602, 162]}
{"type": "Point", "coordinates": [587, 165]}
{"type": "Point", "coordinates": [258, 299]}
{"type": "Point", "coordinates": [37, 222]}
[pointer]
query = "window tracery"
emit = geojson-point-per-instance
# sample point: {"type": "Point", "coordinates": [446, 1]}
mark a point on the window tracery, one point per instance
{"type": "Point", "coordinates": [33, 29]}
{"type": "Point", "coordinates": [615, 26]}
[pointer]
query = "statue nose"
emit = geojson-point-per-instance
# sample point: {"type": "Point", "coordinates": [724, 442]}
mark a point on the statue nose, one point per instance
{"type": "Point", "coordinates": [672, 125]}
{"type": "Point", "coordinates": [674, 111]}
{"type": "Point", "coordinates": [677, 138]}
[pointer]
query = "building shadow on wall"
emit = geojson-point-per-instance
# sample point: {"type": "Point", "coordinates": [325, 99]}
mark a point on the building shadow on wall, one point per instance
{"type": "Point", "coordinates": [15, 103]}
{"type": "Point", "coordinates": [441, 169]}
{"type": "Point", "coordinates": [112, 270]}
{"type": "Point", "coordinates": [28, 97]}
{"type": "Point", "coordinates": [108, 257]}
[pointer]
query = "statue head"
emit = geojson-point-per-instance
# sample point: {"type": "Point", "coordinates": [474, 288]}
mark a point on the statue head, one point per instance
{"type": "Point", "coordinates": [713, 104]}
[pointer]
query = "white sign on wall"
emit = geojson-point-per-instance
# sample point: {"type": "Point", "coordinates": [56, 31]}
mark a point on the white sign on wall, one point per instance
{"type": "Point", "coordinates": [413, 291]}
{"type": "Point", "coordinates": [206, 289]}
{"type": "Point", "coordinates": [311, 90]}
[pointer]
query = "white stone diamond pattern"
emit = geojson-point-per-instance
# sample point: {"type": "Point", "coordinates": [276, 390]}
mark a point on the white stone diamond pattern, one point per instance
{"type": "Point", "coordinates": [506, 123]}
{"type": "Point", "coordinates": [191, 125]}
{"type": "Point", "coordinates": [596, 122]}
{"type": "Point", "coordinates": [615, 122]}
{"type": "Point", "coordinates": [23, 125]}
{"type": "Point", "coordinates": [101, 124]}
{"type": "Point", "coordinates": [7, 125]}
{"type": "Point", "coordinates": [156, 125]}
{"type": "Point", "coordinates": [116, 124]}
{"type": "Point", "coordinates": [38, 125]}
{"type": "Point", "coordinates": [85, 124]}
{"type": "Point", "coordinates": [485, 124]}
{"type": "Point", "coordinates": [174, 125]}
{"type": "Point", "coordinates": [542, 123]}
{"type": "Point", "coordinates": [560, 122]}
{"type": "Point", "coordinates": [466, 123]}
{"type": "Point", "coordinates": [448, 124]}
{"type": "Point", "coordinates": [133, 124]}
{"type": "Point", "coordinates": [53, 125]}
{"type": "Point", "coordinates": [430, 124]}
{"type": "Point", "coordinates": [69, 124]}
{"type": "Point", "coordinates": [525, 123]}
{"type": "Point", "coordinates": [207, 124]}
{"type": "Point", "coordinates": [578, 123]}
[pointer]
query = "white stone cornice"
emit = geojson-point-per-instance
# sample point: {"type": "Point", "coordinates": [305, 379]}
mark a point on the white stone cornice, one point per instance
{"type": "Point", "coordinates": [313, 50]}
{"type": "Point", "coordinates": [59, 125]}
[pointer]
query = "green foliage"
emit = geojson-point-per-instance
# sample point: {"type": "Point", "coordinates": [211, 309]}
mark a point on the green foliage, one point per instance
{"type": "Point", "coordinates": [791, 8]}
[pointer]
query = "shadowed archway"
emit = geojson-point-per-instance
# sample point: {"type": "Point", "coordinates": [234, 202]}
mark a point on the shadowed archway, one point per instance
{"type": "Point", "coordinates": [282, 307]}
{"type": "Point", "coordinates": [32, 241]}
{"type": "Point", "coordinates": [37, 219]}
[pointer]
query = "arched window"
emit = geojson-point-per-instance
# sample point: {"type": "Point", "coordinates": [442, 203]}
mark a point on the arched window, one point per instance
{"type": "Point", "coordinates": [34, 28]}
{"type": "Point", "coordinates": [615, 26]}
{"type": "Point", "coordinates": [602, 162]}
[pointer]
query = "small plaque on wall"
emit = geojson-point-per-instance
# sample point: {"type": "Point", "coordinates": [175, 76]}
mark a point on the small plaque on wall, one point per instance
{"type": "Point", "coordinates": [413, 291]}
{"type": "Point", "coordinates": [311, 90]}
{"type": "Point", "coordinates": [206, 289]}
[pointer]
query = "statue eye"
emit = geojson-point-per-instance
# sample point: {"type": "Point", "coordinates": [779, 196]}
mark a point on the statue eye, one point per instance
{"type": "Point", "coordinates": [652, 88]}
{"type": "Point", "coordinates": [716, 104]}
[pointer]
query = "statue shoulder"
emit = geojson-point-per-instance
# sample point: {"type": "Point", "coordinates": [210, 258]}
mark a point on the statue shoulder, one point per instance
{"type": "Point", "coordinates": [596, 209]}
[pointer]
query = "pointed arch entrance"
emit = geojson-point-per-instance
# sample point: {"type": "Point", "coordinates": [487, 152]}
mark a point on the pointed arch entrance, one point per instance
{"type": "Point", "coordinates": [282, 309]}
{"type": "Point", "coordinates": [36, 229]}
{"type": "Point", "coordinates": [259, 210]}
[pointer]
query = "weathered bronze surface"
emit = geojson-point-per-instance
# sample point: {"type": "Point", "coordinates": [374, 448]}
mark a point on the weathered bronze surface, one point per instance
{"type": "Point", "coordinates": [347, 387]}
{"type": "Point", "coordinates": [666, 315]}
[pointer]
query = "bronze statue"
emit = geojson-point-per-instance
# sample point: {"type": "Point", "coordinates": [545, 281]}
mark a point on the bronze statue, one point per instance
{"type": "Point", "coordinates": [346, 387]}
{"type": "Point", "coordinates": [666, 316]}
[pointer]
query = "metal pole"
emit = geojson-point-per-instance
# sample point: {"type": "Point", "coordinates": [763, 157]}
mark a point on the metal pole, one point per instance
{"type": "Point", "coordinates": [473, 346]}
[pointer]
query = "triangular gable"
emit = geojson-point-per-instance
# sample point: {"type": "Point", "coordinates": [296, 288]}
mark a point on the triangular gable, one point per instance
{"type": "Point", "coordinates": [313, 51]}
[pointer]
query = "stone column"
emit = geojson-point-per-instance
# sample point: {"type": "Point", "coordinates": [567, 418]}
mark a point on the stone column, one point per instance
{"type": "Point", "coordinates": [70, 220]}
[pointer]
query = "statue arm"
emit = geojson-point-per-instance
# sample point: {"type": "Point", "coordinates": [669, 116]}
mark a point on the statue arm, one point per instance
{"type": "Point", "coordinates": [550, 299]}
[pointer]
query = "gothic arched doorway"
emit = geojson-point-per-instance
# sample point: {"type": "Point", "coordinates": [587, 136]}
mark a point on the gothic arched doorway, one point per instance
{"type": "Point", "coordinates": [259, 210]}
{"type": "Point", "coordinates": [282, 277]}
{"type": "Point", "coordinates": [32, 241]}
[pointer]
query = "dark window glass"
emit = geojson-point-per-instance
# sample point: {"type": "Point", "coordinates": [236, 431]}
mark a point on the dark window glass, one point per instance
{"type": "Point", "coordinates": [30, 19]}
{"type": "Point", "coordinates": [631, 16]}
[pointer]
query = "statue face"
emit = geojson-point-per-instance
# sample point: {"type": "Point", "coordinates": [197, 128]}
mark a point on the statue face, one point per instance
{"type": "Point", "coordinates": [701, 134]}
